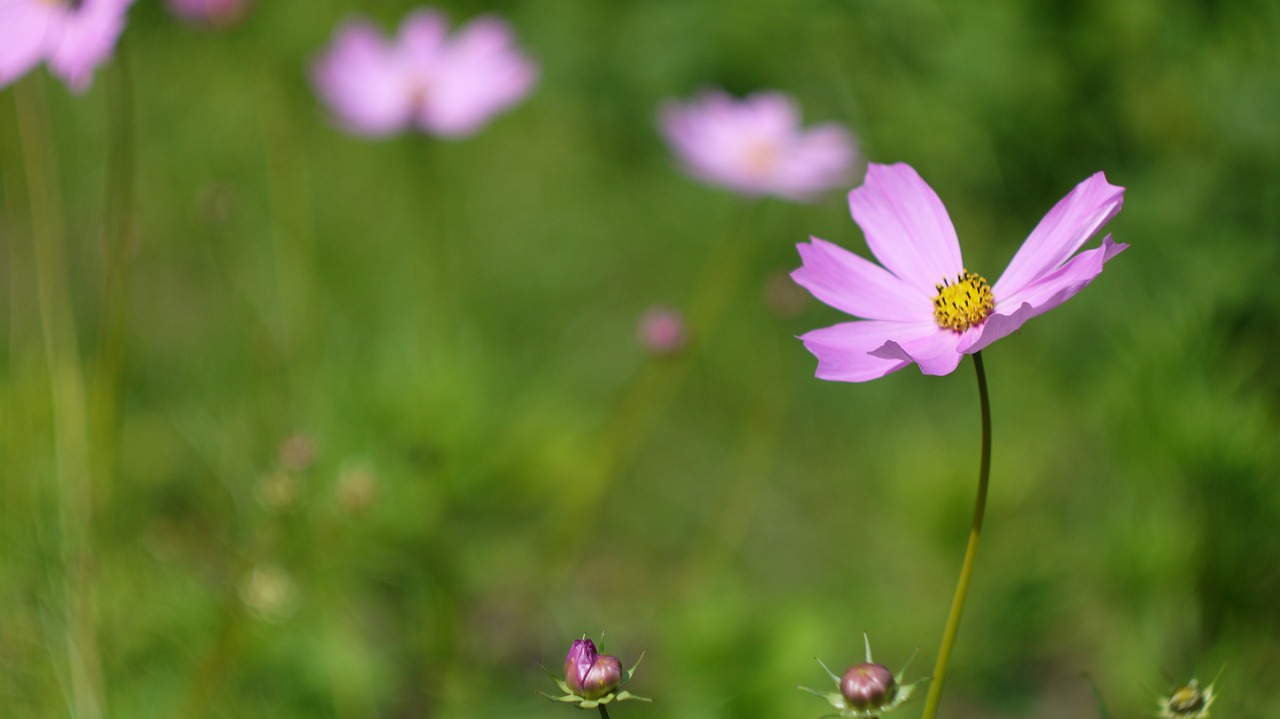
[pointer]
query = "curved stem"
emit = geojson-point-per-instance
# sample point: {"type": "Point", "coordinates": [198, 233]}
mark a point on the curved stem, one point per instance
{"type": "Point", "coordinates": [966, 569]}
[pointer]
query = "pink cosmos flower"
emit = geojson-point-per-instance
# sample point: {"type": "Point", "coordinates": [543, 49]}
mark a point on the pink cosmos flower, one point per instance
{"type": "Point", "coordinates": [923, 306]}
{"type": "Point", "coordinates": [447, 85]}
{"type": "Point", "coordinates": [72, 36]}
{"type": "Point", "coordinates": [755, 146]}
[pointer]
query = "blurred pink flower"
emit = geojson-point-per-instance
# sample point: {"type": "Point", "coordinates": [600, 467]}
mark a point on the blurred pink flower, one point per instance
{"type": "Point", "coordinates": [72, 36]}
{"type": "Point", "coordinates": [447, 85]}
{"type": "Point", "coordinates": [922, 306]}
{"type": "Point", "coordinates": [662, 331]}
{"type": "Point", "coordinates": [210, 13]}
{"type": "Point", "coordinates": [755, 146]}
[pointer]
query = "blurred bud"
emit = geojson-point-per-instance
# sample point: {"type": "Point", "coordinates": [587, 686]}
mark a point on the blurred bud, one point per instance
{"type": "Point", "coordinates": [662, 331]}
{"type": "Point", "coordinates": [357, 487]}
{"type": "Point", "coordinates": [220, 14]}
{"type": "Point", "coordinates": [1188, 702]}
{"type": "Point", "coordinates": [783, 296]}
{"type": "Point", "coordinates": [297, 452]}
{"type": "Point", "coordinates": [269, 592]}
{"type": "Point", "coordinates": [278, 490]}
{"type": "Point", "coordinates": [868, 686]}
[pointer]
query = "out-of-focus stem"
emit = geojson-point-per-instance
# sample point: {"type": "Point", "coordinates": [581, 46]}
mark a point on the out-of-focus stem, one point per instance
{"type": "Point", "coordinates": [970, 553]}
{"type": "Point", "coordinates": [67, 389]}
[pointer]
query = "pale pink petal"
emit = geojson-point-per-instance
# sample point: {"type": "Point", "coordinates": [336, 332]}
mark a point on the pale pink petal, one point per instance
{"type": "Point", "coordinates": [756, 146]}
{"type": "Point", "coordinates": [482, 72]}
{"type": "Point", "coordinates": [1043, 294]}
{"type": "Point", "coordinates": [363, 82]}
{"type": "Point", "coordinates": [847, 352]}
{"type": "Point", "coordinates": [816, 161]}
{"type": "Point", "coordinates": [25, 30]}
{"type": "Point", "coordinates": [422, 37]}
{"type": "Point", "coordinates": [1068, 225]}
{"type": "Point", "coordinates": [906, 226]}
{"type": "Point", "coordinates": [936, 352]}
{"type": "Point", "coordinates": [854, 285]}
{"type": "Point", "coordinates": [88, 38]}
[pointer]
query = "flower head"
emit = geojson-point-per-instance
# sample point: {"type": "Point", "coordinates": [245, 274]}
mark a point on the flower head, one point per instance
{"type": "Point", "coordinates": [591, 678]}
{"type": "Point", "coordinates": [1188, 701]}
{"type": "Point", "coordinates": [867, 689]}
{"type": "Point", "coordinates": [662, 331]}
{"type": "Point", "coordinates": [755, 146]}
{"type": "Point", "coordinates": [923, 307]}
{"type": "Point", "coordinates": [445, 84]}
{"type": "Point", "coordinates": [72, 36]}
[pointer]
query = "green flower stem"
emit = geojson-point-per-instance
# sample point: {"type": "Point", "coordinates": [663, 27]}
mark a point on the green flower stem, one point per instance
{"type": "Point", "coordinates": [68, 400]}
{"type": "Point", "coordinates": [604, 713]}
{"type": "Point", "coordinates": [966, 570]}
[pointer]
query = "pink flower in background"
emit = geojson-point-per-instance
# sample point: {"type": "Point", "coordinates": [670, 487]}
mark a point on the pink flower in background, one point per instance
{"type": "Point", "coordinates": [756, 146]}
{"type": "Point", "coordinates": [72, 36]}
{"type": "Point", "coordinates": [447, 85]}
{"type": "Point", "coordinates": [210, 13]}
{"type": "Point", "coordinates": [662, 331]}
{"type": "Point", "coordinates": [923, 306]}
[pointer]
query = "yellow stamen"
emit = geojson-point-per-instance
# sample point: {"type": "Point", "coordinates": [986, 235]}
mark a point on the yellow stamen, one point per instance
{"type": "Point", "coordinates": [963, 302]}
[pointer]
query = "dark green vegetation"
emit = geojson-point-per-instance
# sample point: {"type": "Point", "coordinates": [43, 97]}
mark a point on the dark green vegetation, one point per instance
{"type": "Point", "coordinates": [498, 468]}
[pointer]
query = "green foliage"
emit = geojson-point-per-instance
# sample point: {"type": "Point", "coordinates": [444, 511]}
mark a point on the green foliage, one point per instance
{"type": "Point", "coordinates": [495, 467]}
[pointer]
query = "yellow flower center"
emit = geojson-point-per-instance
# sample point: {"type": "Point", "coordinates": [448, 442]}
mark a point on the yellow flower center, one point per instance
{"type": "Point", "coordinates": [963, 302]}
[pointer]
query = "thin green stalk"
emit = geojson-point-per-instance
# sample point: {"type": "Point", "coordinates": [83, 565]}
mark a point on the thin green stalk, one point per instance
{"type": "Point", "coordinates": [67, 397]}
{"type": "Point", "coordinates": [966, 569]}
{"type": "Point", "coordinates": [604, 713]}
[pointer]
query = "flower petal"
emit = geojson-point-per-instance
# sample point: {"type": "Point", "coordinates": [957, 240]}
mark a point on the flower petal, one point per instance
{"type": "Point", "coordinates": [845, 351]}
{"type": "Point", "coordinates": [1068, 225]}
{"type": "Point", "coordinates": [25, 29]}
{"type": "Point", "coordinates": [906, 226]}
{"type": "Point", "coordinates": [363, 82]}
{"type": "Point", "coordinates": [1044, 294]}
{"type": "Point", "coordinates": [937, 352]}
{"type": "Point", "coordinates": [854, 285]}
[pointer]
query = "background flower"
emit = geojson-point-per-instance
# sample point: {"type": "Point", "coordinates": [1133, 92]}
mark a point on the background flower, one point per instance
{"type": "Point", "coordinates": [447, 85]}
{"type": "Point", "coordinates": [755, 146]}
{"type": "Point", "coordinates": [909, 231]}
{"type": "Point", "coordinates": [73, 38]}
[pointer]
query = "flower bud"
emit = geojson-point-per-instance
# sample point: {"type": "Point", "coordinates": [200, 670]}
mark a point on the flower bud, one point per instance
{"type": "Point", "coordinates": [868, 686]}
{"type": "Point", "coordinates": [603, 677]}
{"type": "Point", "coordinates": [662, 331]}
{"type": "Point", "coordinates": [577, 663]}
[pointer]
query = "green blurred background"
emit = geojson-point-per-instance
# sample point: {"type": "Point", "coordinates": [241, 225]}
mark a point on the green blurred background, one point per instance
{"type": "Point", "coordinates": [369, 433]}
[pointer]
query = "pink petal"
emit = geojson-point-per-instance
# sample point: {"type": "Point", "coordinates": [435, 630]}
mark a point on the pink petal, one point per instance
{"type": "Point", "coordinates": [1068, 225]}
{"type": "Point", "coordinates": [422, 36]}
{"type": "Point", "coordinates": [847, 352]}
{"type": "Point", "coordinates": [26, 27]}
{"type": "Point", "coordinates": [481, 73]}
{"type": "Point", "coordinates": [1042, 295]}
{"type": "Point", "coordinates": [856, 286]}
{"type": "Point", "coordinates": [906, 226]}
{"type": "Point", "coordinates": [88, 38]}
{"type": "Point", "coordinates": [936, 352]}
{"type": "Point", "coordinates": [363, 82]}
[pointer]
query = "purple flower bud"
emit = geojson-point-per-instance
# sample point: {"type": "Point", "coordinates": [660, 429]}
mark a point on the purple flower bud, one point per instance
{"type": "Point", "coordinates": [605, 676]}
{"type": "Point", "coordinates": [577, 663]}
{"type": "Point", "coordinates": [868, 686]}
